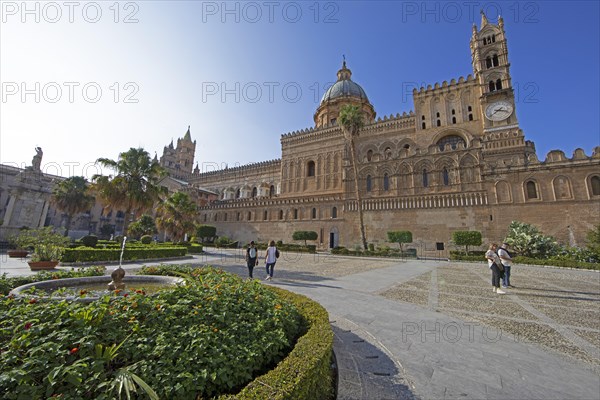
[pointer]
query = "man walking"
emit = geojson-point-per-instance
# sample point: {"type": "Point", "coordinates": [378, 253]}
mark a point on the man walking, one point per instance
{"type": "Point", "coordinates": [506, 260]}
{"type": "Point", "coordinates": [251, 258]}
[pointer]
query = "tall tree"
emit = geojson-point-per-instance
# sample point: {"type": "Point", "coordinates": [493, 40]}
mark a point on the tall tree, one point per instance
{"type": "Point", "coordinates": [351, 120]}
{"type": "Point", "coordinates": [176, 215]}
{"type": "Point", "coordinates": [72, 197]}
{"type": "Point", "coordinates": [134, 188]}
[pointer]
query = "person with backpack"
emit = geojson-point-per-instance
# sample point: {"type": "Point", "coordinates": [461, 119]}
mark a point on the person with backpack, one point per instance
{"type": "Point", "coordinates": [506, 260]}
{"type": "Point", "coordinates": [251, 257]}
{"type": "Point", "coordinates": [271, 257]}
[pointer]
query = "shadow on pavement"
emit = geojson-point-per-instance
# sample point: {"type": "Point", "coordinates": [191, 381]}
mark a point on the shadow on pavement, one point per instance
{"type": "Point", "coordinates": [364, 371]}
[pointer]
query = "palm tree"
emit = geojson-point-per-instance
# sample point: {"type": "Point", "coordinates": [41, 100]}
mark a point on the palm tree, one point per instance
{"type": "Point", "coordinates": [134, 188]}
{"type": "Point", "coordinates": [72, 196]}
{"type": "Point", "coordinates": [176, 215]}
{"type": "Point", "coordinates": [351, 120]}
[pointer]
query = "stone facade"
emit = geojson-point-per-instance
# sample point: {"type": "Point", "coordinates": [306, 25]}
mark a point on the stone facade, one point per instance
{"type": "Point", "coordinates": [458, 162]}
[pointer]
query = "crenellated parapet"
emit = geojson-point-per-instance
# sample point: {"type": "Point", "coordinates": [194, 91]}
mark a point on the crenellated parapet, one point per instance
{"type": "Point", "coordinates": [443, 87]}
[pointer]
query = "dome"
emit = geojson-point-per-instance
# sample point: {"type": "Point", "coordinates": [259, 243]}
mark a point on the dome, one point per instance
{"type": "Point", "coordinates": [344, 87]}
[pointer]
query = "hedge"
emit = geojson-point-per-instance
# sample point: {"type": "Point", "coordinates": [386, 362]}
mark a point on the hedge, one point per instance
{"type": "Point", "coordinates": [306, 372]}
{"type": "Point", "coordinates": [300, 248]}
{"type": "Point", "coordinates": [393, 253]}
{"type": "Point", "coordinates": [460, 256]}
{"type": "Point", "coordinates": [86, 254]}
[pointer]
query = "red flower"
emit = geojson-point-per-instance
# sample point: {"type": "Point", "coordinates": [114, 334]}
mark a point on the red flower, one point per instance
{"type": "Point", "coordinates": [74, 350]}
{"type": "Point", "coordinates": [126, 294]}
{"type": "Point", "coordinates": [28, 325]}
{"type": "Point", "coordinates": [33, 301]}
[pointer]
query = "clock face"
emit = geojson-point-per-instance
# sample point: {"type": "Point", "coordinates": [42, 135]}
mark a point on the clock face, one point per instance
{"type": "Point", "coordinates": [499, 111]}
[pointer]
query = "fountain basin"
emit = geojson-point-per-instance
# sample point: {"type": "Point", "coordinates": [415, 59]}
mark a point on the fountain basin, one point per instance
{"type": "Point", "coordinates": [95, 286]}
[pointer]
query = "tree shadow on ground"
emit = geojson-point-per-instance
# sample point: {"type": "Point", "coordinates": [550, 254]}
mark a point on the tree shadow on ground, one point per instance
{"type": "Point", "coordinates": [365, 371]}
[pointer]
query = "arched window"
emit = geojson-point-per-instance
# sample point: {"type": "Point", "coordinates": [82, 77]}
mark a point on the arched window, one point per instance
{"type": "Point", "coordinates": [205, 216]}
{"type": "Point", "coordinates": [454, 120]}
{"type": "Point", "coordinates": [445, 176]}
{"type": "Point", "coordinates": [295, 213]}
{"type": "Point", "coordinates": [249, 216]}
{"type": "Point", "coordinates": [334, 212]}
{"type": "Point", "coordinates": [238, 216]}
{"type": "Point", "coordinates": [488, 62]}
{"type": "Point", "coordinates": [492, 86]}
{"type": "Point", "coordinates": [595, 181]}
{"type": "Point", "coordinates": [272, 191]}
{"type": "Point", "coordinates": [495, 62]}
{"type": "Point", "coordinates": [237, 194]}
{"type": "Point", "coordinates": [369, 155]}
{"type": "Point", "coordinates": [423, 125]}
{"type": "Point", "coordinates": [498, 84]}
{"type": "Point", "coordinates": [387, 153]}
{"type": "Point", "coordinates": [438, 123]}
{"type": "Point", "coordinates": [265, 215]}
{"type": "Point", "coordinates": [452, 140]}
{"type": "Point", "coordinates": [386, 182]}
{"type": "Point", "coordinates": [314, 213]}
{"type": "Point", "coordinates": [225, 217]}
{"type": "Point", "coordinates": [310, 168]}
{"type": "Point", "coordinates": [254, 191]}
{"type": "Point", "coordinates": [425, 178]}
{"type": "Point", "coordinates": [531, 190]}
{"type": "Point", "coordinates": [369, 183]}
{"type": "Point", "coordinates": [280, 214]}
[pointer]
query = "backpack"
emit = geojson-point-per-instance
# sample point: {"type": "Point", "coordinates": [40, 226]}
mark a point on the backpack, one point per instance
{"type": "Point", "coordinates": [276, 253]}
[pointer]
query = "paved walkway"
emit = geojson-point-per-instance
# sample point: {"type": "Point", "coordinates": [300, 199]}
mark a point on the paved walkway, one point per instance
{"type": "Point", "coordinates": [430, 330]}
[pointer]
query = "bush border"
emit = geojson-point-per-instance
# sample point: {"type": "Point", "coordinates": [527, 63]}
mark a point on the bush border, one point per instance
{"type": "Point", "coordinates": [306, 372]}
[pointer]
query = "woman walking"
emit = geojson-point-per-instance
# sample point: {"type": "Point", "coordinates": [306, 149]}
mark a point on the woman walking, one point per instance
{"type": "Point", "coordinates": [270, 259]}
{"type": "Point", "coordinates": [493, 263]}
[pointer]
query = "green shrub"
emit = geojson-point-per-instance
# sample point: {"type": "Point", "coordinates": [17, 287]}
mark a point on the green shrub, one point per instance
{"type": "Point", "coordinates": [371, 247]}
{"type": "Point", "coordinates": [89, 240]}
{"type": "Point", "coordinates": [467, 238]}
{"type": "Point", "coordinates": [146, 239]}
{"type": "Point", "coordinates": [207, 338]}
{"type": "Point", "coordinates": [305, 235]}
{"type": "Point", "coordinates": [195, 248]}
{"type": "Point", "coordinates": [306, 372]}
{"type": "Point", "coordinates": [84, 254]}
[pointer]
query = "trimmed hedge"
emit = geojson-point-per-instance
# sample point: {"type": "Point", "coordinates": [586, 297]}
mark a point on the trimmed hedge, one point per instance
{"type": "Point", "coordinates": [195, 248]}
{"type": "Point", "coordinates": [385, 252]}
{"type": "Point", "coordinates": [306, 372]}
{"type": "Point", "coordinates": [299, 248]}
{"type": "Point", "coordinates": [86, 254]}
{"type": "Point", "coordinates": [554, 262]}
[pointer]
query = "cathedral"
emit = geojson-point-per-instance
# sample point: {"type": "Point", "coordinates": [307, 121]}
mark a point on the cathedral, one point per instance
{"type": "Point", "coordinates": [459, 161]}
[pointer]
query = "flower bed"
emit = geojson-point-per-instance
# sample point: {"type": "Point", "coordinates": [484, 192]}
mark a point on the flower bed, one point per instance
{"type": "Point", "coordinates": [207, 339]}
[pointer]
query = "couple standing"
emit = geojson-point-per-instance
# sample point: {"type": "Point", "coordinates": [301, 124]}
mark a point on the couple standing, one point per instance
{"type": "Point", "coordinates": [271, 256]}
{"type": "Point", "coordinates": [500, 262]}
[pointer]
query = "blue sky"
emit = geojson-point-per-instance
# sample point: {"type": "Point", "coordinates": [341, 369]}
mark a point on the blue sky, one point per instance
{"type": "Point", "coordinates": [242, 74]}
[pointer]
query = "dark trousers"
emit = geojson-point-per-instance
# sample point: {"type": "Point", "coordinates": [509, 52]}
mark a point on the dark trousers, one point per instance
{"type": "Point", "coordinates": [270, 267]}
{"type": "Point", "coordinates": [495, 275]}
{"type": "Point", "coordinates": [251, 263]}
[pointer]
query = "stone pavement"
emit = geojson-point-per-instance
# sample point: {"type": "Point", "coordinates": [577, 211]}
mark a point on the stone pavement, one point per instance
{"type": "Point", "coordinates": [435, 330]}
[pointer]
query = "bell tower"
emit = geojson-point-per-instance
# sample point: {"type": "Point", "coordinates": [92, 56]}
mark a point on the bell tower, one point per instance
{"type": "Point", "coordinates": [489, 54]}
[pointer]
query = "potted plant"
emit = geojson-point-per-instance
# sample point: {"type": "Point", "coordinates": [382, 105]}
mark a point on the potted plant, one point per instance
{"type": "Point", "coordinates": [48, 249]}
{"type": "Point", "coordinates": [20, 244]}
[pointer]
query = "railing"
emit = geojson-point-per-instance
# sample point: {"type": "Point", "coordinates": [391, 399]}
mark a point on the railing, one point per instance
{"type": "Point", "coordinates": [424, 201]}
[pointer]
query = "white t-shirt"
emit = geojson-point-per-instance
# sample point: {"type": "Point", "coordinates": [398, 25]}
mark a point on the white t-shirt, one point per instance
{"type": "Point", "coordinates": [492, 257]}
{"type": "Point", "coordinates": [503, 253]}
{"type": "Point", "coordinates": [271, 255]}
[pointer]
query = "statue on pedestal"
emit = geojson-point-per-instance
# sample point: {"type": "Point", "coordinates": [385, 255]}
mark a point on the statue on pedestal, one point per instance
{"type": "Point", "coordinates": [37, 159]}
